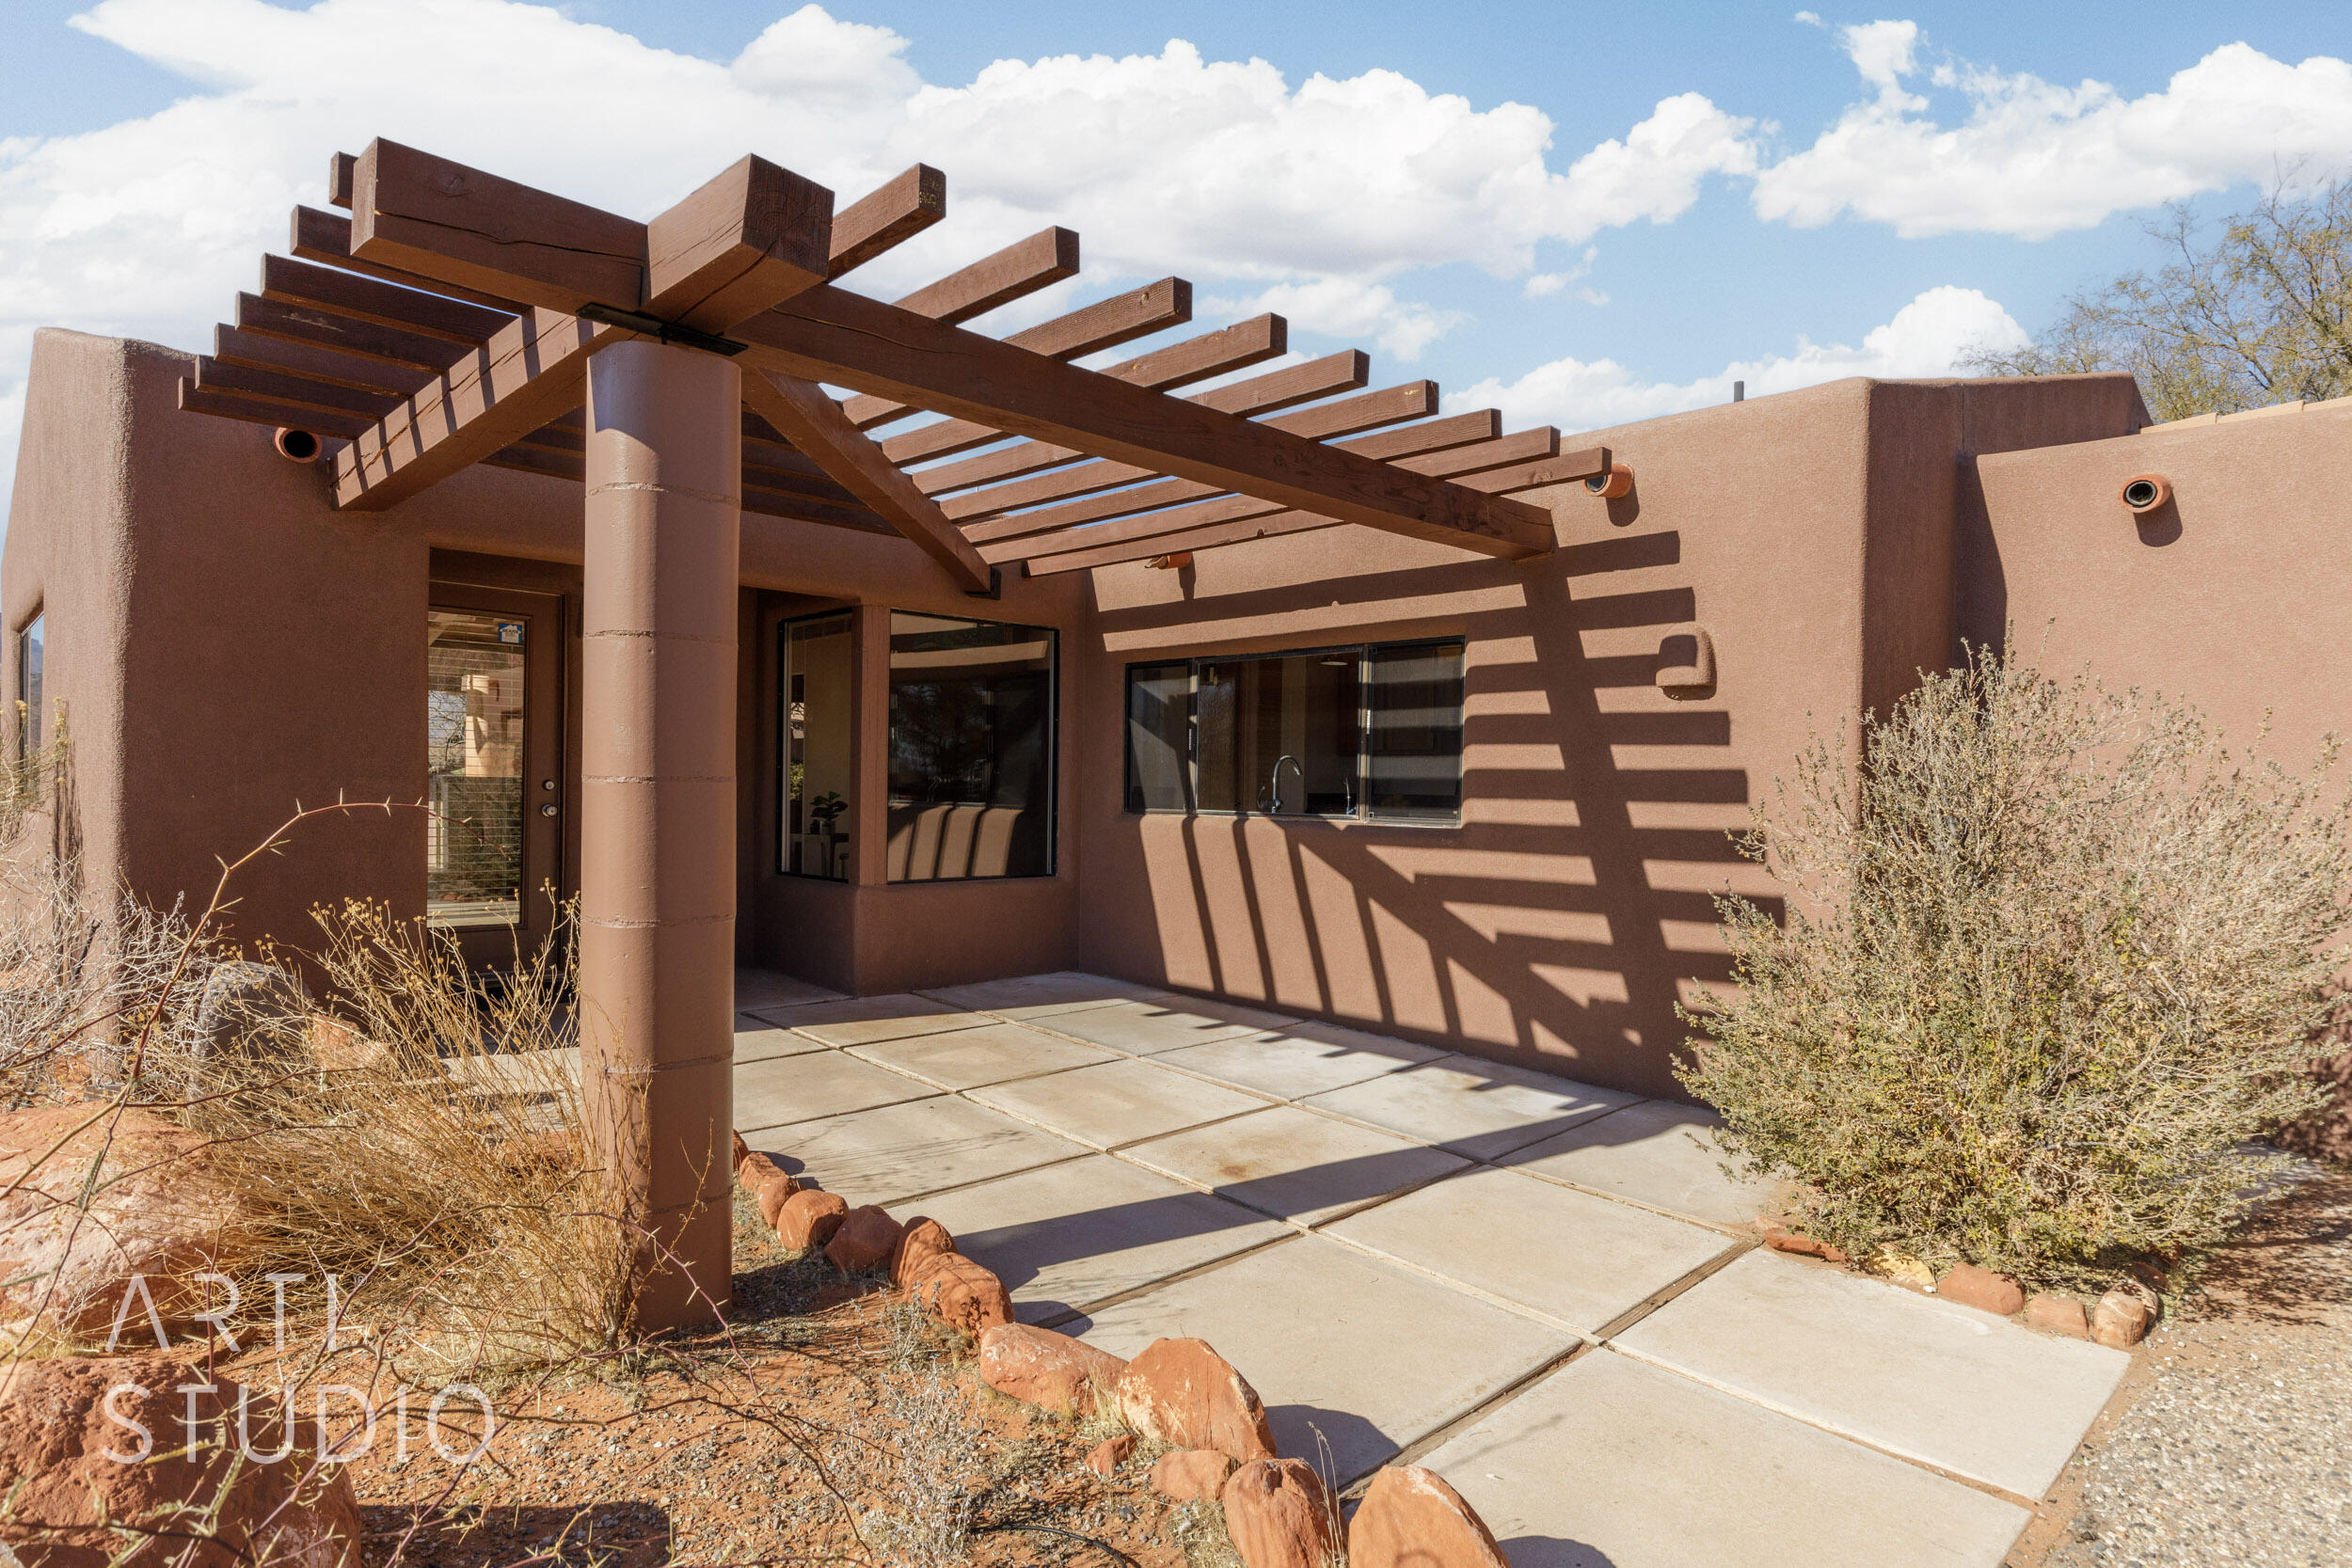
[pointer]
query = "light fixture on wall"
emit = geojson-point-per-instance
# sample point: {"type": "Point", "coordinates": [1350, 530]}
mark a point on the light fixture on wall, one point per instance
{"type": "Point", "coordinates": [1615, 485]}
{"type": "Point", "coordinates": [2145, 493]}
{"type": "Point", "coordinates": [1686, 662]}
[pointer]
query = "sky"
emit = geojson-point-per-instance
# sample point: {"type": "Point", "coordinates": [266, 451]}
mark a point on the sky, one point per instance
{"type": "Point", "coordinates": [1581, 213]}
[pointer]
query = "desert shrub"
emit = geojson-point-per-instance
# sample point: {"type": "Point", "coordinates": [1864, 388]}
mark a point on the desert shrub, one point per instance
{"type": "Point", "coordinates": [2051, 958]}
{"type": "Point", "coordinates": [427, 1150]}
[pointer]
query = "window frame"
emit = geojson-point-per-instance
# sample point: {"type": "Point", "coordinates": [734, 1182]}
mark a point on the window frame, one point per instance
{"type": "Point", "coordinates": [1052, 762]}
{"type": "Point", "coordinates": [1364, 810]}
{"type": "Point", "coordinates": [848, 614]}
{"type": "Point", "coordinates": [32, 725]}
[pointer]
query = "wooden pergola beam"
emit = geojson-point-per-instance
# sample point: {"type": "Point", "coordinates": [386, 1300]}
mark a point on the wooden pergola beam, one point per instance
{"type": "Point", "coordinates": [1023, 267]}
{"type": "Point", "coordinates": [742, 243]}
{"type": "Point", "coordinates": [830, 336]}
{"type": "Point", "coordinates": [816, 424]}
{"type": "Point", "coordinates": [325, 237]}
{"type": "Point", "coordinates": [344, 293]}
{"type": "Point", "coordinates": [1088, 329]}
{"type": "Point", "coordinates": [234, 346]}
{"type": "Point", "coordinates": [893, 213]}
{"type": "Point", "coordinates": [305, 324]}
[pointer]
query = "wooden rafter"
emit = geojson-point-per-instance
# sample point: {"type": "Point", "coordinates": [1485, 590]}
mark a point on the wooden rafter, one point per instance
{"type": "Point", "coordinates": [450, 319]}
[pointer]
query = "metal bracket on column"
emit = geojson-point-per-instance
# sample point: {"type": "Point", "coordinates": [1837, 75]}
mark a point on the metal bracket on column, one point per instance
{"type": "Point", "coordinates": [654, 326]}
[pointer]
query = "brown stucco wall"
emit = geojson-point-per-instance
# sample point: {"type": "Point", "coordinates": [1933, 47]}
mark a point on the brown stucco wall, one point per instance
{"type": "Point", "coordinates": [1810, 534]}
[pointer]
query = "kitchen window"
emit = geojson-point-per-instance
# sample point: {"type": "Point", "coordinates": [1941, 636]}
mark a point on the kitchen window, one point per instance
{"type": "Point", "coordinates": [1370, 732]}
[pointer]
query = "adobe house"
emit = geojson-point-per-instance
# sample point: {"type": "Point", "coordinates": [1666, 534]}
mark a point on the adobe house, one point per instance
{"type": "Point", "coordinates": [1285, 691]}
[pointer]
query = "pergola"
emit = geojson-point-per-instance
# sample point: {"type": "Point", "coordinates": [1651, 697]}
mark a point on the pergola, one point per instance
{"type": "Point", "coordinates": [678, 368]}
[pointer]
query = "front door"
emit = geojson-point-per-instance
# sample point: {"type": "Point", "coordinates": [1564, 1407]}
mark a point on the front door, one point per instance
{"type": "Point", "coordinates": [494, 840]}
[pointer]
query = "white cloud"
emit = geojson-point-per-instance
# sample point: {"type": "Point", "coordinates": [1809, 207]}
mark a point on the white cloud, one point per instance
{"type": "Point", "coordinates": [1349, 307]}
{"type": "Point", "coordinates": [2032, 159]}
{"type": "Point", "coordinates": [1925, 338]}
{"type": "Point", "coordinates": [1319, 194]}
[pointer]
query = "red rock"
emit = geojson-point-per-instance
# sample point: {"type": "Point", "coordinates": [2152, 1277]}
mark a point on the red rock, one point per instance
{"type": "Point", "coordinates": [1182, 1475]}
{"type": "Point", "coordinates": [1110, 1454]}
{"type": "Point", "coordinates": [2057, 1315]}
{"type": "Point", "coordinates": [809, 1218]}
{"type": "Point", "coordinates": [152, 1212]}
{"type": "Point", "coordinates": [768, 1183]}
{"type": "Point", "coordinates": [1051, 1370]}
{"type": "Point", "coordinates": [1810, 1246]}
{"type": "Point", "coordinates": [1409, 1518]}
{"type": "Point", "coordinates": [1987, 1292]}
{"type": "Point", "coordinates": [865, 1240]}
{"type": "Point", "coordinates": [1279, 1514]}
{"type": "Point", "coordinates": [742, 1149]}
{"type": "Point", "coordinates": [1182, 1393]}
{"type": "Point", "coordinates": [2121, 1319]}
{"type": "Point", "coordinates": [961, 1294]}
{"type": "Point", "coordinates": [922, 1239]}
{"type": "Point", "coordinates": [55, 1435]}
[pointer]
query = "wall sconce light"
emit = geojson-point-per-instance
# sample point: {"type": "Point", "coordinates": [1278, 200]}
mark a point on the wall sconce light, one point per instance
{"type": "Point", "coordinates": [297, 445]}
{"type": "Point", "coordinates": [2144, 493]}
{"type": "Point", "coordinates": [1169, 562]}
{"type": "Point", "coordinates": [1686, 662]}
{"type": "Point", "coordinates": [1615, 484]}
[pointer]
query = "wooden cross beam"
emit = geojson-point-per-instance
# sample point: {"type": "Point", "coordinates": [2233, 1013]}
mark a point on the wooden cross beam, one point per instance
{"type": "Point", "coordinates": [746, 257]}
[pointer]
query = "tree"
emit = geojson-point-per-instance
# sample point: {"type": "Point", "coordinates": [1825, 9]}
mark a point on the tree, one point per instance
{"type": "Point", "coordinates": [2262, 314]}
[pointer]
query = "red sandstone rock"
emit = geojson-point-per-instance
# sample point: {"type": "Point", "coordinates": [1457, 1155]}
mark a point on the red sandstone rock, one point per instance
{"type": "Point", "coordinates": [865, 1240]}
{"type": "Point", "coordinates": [1810, 1246]}
{"type": "Point", "coordinates": [2121, 1319]}
{"type": "Point", "coordinates": [152, 1212]}
{"type": "Point", "coordinates": [1987, 1292]}
{"type": "Point", "coordinates": [55, 1435]}
{"type": "Point", "coordinates": [961, 1294]}
{"type": "Point", "coordinates": [1110, 1454]}
{"type": "Point", "coordinates": [809, 1218]}
{"type": "Point", "coordinates": [742, 1149]}
{"type": "Point", "coordinates": [1279, 1515]}
{"type": "Point", "coordinates": [1182, 1393]}
{"type": "Point", "coordinates": [922, 1239]}
{"type": "Point", "coordinates": [1182, 1475]}
{"type": "Point", "coordinates": [2057, 1315]}
{"type": "Point", "coordinates": [768, 1183]}
{"type": "Point", "coordinates": [1051, 1370]}
{"type": "Point", "coordinates": [1410, 1518]}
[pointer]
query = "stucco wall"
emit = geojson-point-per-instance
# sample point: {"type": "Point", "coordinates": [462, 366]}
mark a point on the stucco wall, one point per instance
{"type": "Point", "coordinates": [1809, 533]}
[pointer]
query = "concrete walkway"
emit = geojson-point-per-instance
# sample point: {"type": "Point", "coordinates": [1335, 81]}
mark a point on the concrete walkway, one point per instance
{"type": "Point", "coordinates": [1550, 1293]}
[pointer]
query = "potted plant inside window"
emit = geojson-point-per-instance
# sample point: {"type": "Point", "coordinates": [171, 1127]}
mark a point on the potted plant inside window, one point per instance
{"type": "Point", "coordinates": [824, 813]}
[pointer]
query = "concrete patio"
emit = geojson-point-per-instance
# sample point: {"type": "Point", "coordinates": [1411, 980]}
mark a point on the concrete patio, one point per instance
{"type": "Point", "coordinates": [1547, 1291]}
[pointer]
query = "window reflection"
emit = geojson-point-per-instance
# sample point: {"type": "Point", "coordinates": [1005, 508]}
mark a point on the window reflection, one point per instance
{"type": "Point", "coordinates": [813, 838]}
{"type": "Point", "coordinates": [474, 750]}
{"type": "Point", "coordinates": [971, 750]}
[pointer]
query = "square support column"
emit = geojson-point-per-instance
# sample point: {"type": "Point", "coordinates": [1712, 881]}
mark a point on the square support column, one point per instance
{"type": "Point", "coordinates": [657, 809]}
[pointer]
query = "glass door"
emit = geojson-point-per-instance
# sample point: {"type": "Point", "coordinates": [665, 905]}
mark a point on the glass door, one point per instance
{"type": "Point", "coordinates": [494, 769]}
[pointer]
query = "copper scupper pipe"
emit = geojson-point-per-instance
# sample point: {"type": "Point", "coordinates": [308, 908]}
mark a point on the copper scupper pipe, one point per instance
{"type": "Point", "coordinates": [658, 806]}
{"type": "Point", "coordinates": [1613, 485]}
{"type": "Point", "coordinates": [2144, 493]}
{"type": "Point", "coordinates": [297, 446]}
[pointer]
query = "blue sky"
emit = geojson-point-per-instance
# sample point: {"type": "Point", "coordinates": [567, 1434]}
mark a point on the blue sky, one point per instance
{"type": "Point", "coordinates": [1583, 213]}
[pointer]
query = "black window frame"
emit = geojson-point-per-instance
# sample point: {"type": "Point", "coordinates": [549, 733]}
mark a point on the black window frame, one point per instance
{"type": "Point", "coordinates": [1362, 809]}
{"type": "Point", "coordinates": [1051, 764]}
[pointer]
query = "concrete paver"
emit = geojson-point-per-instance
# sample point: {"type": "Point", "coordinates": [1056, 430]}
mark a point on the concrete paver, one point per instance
{"type": "Point", "coordinates": [820, 1083]}
{"type": "Point", "coordinates": [1143, 1028]}
{"type": "Point", "coordinates": [1609, 1464]}
{"type": "Point", "coordinates": [991, 1053]}
{"type": "Point", "coordinates": [1292, 1064]}
{"type": "Point", "coordinates": [1295, 1165]}
{"type": "Point", "coordinates": [1475, 1107]}
{"type": "Point", "coordinates": [1043, 995]}
{"type": "Point", "coordinates": [1359, 1352]}
{"type": "Point", "coordinates": [901, 1151]}
{"type": "Point", "coordinates": [1655, 1152]}
{"type": "Point", "coordinates": [1068, 1236]}
{"type": "Point", "coordinates": [1577, 1261]}
{"type": "Point", "coordinates": [1115, 1103]}
{"type": "Point", "coordinates": [764, 987]}
{"type": "Point", "coordinates": [757, 1040]}
{"type": "Point", "coordinates": [1974, 1394]}
{"type": "Point", "coordinates": [864, 1018]}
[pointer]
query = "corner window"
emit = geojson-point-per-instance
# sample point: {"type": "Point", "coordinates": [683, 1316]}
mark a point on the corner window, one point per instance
{"type": "Point", "coordinates": [32, 714]}
{"type": "Point", "coordinates": [971, 750]}
{"type": "Point", "coordinates": [1363, 731]}
{"type": "Point", "coordinates": [815, 665]}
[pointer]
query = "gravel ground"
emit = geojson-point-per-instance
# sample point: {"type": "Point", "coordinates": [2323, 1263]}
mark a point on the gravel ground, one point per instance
{"type": "Point", "coordinates": [2236, 1447]}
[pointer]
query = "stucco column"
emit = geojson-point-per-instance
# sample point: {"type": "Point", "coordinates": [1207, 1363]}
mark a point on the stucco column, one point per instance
{"type": "Point", "coordinates": [657, 883]}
